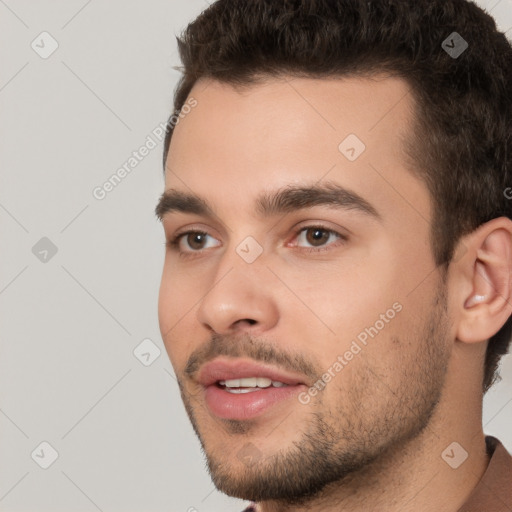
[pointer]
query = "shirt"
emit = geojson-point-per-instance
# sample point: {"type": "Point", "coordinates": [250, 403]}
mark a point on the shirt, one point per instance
{"type": "Point", "coordinates": [493, 493]}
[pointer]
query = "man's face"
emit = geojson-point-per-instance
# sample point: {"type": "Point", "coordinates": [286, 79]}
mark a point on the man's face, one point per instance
{"type": "Point", "coordinates": [304, 261]}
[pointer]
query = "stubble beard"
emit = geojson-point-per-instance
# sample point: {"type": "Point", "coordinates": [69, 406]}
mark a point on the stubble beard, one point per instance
{"type": "Point", "coordinates": [339, 443]}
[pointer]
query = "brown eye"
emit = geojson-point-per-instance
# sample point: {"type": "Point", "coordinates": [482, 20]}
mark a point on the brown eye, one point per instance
{"type": "Point", "coordinates": [196, 241]}
{"type": "Point", "coordinates": [317, 236]}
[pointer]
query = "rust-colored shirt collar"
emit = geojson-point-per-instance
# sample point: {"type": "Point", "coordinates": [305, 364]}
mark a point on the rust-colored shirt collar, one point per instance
{"type": "Point", "coordinates": [494, 491]}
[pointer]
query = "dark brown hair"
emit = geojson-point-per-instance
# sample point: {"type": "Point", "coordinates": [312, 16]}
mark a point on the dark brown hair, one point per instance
{"type": "Point", "coordinates": [462, 135]}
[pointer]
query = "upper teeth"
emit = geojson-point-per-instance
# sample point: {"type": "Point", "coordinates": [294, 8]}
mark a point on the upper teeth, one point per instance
{"type": "Point", "coordinates": [251, 382]}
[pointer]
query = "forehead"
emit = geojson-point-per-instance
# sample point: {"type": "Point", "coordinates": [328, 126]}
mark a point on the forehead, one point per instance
{"type": "Point", "coordinates": [237, 143]}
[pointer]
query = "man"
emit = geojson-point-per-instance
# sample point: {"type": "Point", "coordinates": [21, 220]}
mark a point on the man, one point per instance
{"type": "Point", "coordinates": [336, 293]}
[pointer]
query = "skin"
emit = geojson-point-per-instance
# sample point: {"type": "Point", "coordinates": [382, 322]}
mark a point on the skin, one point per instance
{"type": "Point", "coordinates": [381, 424]}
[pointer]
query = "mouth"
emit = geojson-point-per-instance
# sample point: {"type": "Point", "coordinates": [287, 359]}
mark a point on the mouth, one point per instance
{"type": "Point", "coordinates": [242, 389]}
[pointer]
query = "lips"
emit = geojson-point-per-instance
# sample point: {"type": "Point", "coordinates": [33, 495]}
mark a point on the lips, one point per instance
{"type": "Point", "coordinates": [239, 389]}
{"type": "Point", "coordinates": [222, 370]}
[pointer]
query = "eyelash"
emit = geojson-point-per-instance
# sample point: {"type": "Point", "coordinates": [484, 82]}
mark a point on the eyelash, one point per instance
{"type": "Point", "coordinates": [173, 244]}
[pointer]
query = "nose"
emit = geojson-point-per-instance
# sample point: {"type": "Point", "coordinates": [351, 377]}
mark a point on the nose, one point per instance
{"type": "Point", "coordinates": [240, 298]}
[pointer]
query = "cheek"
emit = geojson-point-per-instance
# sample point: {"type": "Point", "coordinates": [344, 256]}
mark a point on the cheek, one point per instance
{"type": "Point", "coordinates": [178, 299]}
{"type": "Point", "coordinates": [354, 307]}
{"type": "Point", "coordinates": [345, 296]}
{"type": "Point", "coordinates": [180, 290]}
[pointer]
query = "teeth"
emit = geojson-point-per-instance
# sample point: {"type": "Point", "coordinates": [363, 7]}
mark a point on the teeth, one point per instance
{"type": "Point", "coordinates": [251, 382]}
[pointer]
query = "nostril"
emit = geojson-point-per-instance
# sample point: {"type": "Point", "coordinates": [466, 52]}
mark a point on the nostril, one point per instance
{"type": "Point", "coordinates": [250, 321]}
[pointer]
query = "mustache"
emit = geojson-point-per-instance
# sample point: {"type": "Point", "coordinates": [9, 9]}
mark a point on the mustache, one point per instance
{"type": "Point", "coordinates": [245, 345]}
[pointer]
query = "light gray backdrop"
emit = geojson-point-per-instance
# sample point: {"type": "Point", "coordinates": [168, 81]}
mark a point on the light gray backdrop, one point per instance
{"type": "Point", "coordinates": [80, 369]}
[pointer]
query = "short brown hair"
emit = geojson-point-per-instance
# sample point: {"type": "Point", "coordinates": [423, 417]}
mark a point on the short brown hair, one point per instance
{"type": "Point", "coordinates": [461, 141]}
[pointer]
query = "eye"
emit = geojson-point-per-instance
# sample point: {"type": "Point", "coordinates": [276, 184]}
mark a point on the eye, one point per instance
{"type": "Point", "coordinates": [193, 241]}
{"type": "Point", "coordinates": [317, 236]}
{"type": "Point", "coordinates": [309, 237]}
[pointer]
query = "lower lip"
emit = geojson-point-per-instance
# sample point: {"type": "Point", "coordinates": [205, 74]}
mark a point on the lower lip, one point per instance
{"type": "Point", "coordinates": [244, 406]}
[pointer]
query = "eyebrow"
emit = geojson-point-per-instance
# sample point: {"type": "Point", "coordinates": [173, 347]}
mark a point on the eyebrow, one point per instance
{"type": "Point", "coordinates": [285, 200]}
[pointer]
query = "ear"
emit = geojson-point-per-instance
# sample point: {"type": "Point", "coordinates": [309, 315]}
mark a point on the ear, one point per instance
{"type": "Point", "coordinates": [484, 300]}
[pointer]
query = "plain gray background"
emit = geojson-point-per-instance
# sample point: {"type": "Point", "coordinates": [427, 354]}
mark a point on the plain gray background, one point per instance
{"type": "Point", "coordinates": [72, 320]}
